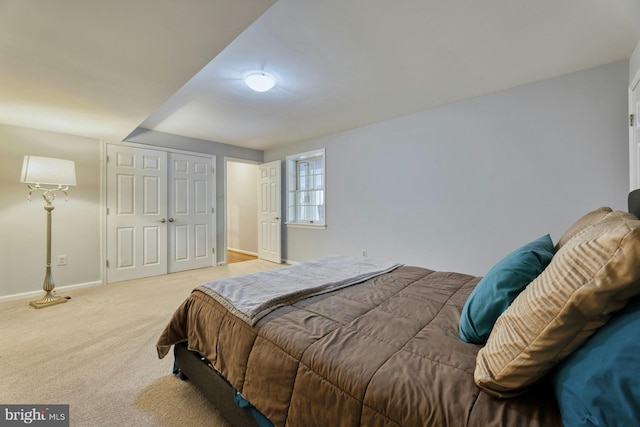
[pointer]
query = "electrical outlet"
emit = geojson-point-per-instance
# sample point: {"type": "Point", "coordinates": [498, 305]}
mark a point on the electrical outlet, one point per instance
{"type": "Point", "coordinates": [62, 260]}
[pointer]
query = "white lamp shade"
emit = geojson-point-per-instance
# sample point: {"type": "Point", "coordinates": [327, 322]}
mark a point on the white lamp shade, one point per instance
{"type": "Point", "coordinates": [47, 170]}
{"type": "Point", "coordinates": [260, 82]}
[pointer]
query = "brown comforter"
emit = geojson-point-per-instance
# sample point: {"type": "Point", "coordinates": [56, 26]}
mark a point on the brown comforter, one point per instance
{"type": "Point", "coordinates": [385, 352]}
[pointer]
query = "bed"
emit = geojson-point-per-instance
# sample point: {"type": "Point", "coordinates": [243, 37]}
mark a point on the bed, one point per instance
{"type": "Point", "coordinates": [417, 347]}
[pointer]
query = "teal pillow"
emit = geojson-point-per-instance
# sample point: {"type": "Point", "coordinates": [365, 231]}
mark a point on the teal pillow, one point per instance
{"type": "Point", "coordinates": [502, 284]}
{"type": "Point", "coordinates": [599, 384]}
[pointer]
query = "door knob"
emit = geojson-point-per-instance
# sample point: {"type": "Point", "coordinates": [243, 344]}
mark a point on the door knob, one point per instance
{"type": "Point", "coordinates": [277, 218]}
{"type": "Point", "coordinates": [171, 219]}
{"type": "Point", "coordinates": [163, 220]}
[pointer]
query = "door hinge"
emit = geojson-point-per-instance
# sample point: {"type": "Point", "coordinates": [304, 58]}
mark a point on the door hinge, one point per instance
{"type": "Point", "coordinates": [213, 210]}
{"type": "Point", "coordinates": [107, 211]}
{"type": "Point", "coordinates": [107, 159]}
{"type": "Point", "coordinates": [107, 263]}
{"type": "Point", "coordinates": [631, 120]}
{"type": "Point", "coordinates": [213, 250]}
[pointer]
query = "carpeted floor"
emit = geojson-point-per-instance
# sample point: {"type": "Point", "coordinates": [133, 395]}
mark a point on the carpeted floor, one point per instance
{"type": "Point", "coordinates": [97, 352]}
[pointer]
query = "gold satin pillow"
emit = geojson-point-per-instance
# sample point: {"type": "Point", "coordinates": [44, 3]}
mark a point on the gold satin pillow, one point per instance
{"type": "Point", "coordinates": [591, 276]}
{"type": "Point", "coordinates": [587, 220]}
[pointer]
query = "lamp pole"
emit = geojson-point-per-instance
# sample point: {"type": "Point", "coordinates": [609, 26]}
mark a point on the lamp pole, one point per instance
{"type": "Point", "coordinates": [48, 285]}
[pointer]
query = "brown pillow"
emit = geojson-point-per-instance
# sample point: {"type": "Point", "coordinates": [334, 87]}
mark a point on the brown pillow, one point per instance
{"type": "Point", "coordinates": [587, 220]}
{"type": "Point", "coordinates": [591, 276]}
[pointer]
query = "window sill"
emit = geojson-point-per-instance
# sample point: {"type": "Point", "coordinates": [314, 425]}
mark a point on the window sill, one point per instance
{"type": "Point", "coordinates": [301, 225]}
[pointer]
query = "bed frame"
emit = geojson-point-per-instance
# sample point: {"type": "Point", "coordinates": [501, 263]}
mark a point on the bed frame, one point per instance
{"type": "Point", "coordinates": [213, 386]}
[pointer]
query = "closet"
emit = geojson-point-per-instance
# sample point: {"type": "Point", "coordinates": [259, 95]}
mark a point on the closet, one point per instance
{"type": "Point", "coordinates": [160, 211]}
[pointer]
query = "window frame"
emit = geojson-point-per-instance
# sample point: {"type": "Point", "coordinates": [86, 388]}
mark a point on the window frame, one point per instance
{"type": "Point", "coordinates": [292, 189]}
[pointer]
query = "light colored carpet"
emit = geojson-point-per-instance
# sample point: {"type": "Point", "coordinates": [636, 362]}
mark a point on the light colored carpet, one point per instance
{"type": "Point", "coordinates": [97, 352]}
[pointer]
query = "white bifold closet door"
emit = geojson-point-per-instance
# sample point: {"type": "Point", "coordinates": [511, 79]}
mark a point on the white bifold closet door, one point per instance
{"type": "Point", "coordinates": [190, 212]}
{"type": "Point", "coordinates": [634, 134]}
{"type": "Point", "coordinates": [159, 212]}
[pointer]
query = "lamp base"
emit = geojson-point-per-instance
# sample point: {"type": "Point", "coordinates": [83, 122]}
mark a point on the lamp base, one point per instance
{"type": "Point", "coordinates": [47, 301]}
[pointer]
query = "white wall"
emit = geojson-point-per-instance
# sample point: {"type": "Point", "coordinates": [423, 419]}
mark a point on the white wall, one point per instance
{"type": "Point", "coordinates": [634, 64]}
{"type": "Point", "coordinates": [242, 207]}
{"type": "Point", "coordinates": [75, 223]}
{"type": "Point", "coordinates": [459, 186]}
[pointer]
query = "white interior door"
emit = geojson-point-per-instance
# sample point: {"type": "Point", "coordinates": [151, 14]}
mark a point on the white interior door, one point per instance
{"type": "Point", "coordinates": [190, 221]}
{"type": "Point", "coordinates": [634, 149]}
{"type": "Point", "coordinates": [269, 212]}
{"type": "Point", "coordinates": [136, 213]}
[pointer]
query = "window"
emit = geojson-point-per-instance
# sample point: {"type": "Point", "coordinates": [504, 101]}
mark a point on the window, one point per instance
{"type": "Point", "coordinates": [306, 189]}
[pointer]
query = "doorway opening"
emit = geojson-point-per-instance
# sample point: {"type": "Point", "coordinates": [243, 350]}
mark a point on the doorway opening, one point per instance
{"type": "Point", "coordinates": [241, 216]}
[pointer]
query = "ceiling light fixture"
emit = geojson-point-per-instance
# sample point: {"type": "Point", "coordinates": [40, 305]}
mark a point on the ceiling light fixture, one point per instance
{"type": "Point", "coordinates": [260, 82]}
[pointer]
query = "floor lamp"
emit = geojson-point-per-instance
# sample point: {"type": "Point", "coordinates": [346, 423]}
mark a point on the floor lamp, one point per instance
{"type": "Point", "coordinates": [36, 172]}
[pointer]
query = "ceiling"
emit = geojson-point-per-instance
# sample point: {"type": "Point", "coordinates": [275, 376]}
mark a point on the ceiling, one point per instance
{"type": "Point", "coordinates": [104, 69]}
{"type": "Point", "coordinates": [100, 68]}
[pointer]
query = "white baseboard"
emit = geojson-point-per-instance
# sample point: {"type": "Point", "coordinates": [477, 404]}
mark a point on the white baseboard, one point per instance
{"type": "Point", "coordinates": [242, 251]}
{"type": "Point", "coordinates": [58, 290]}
